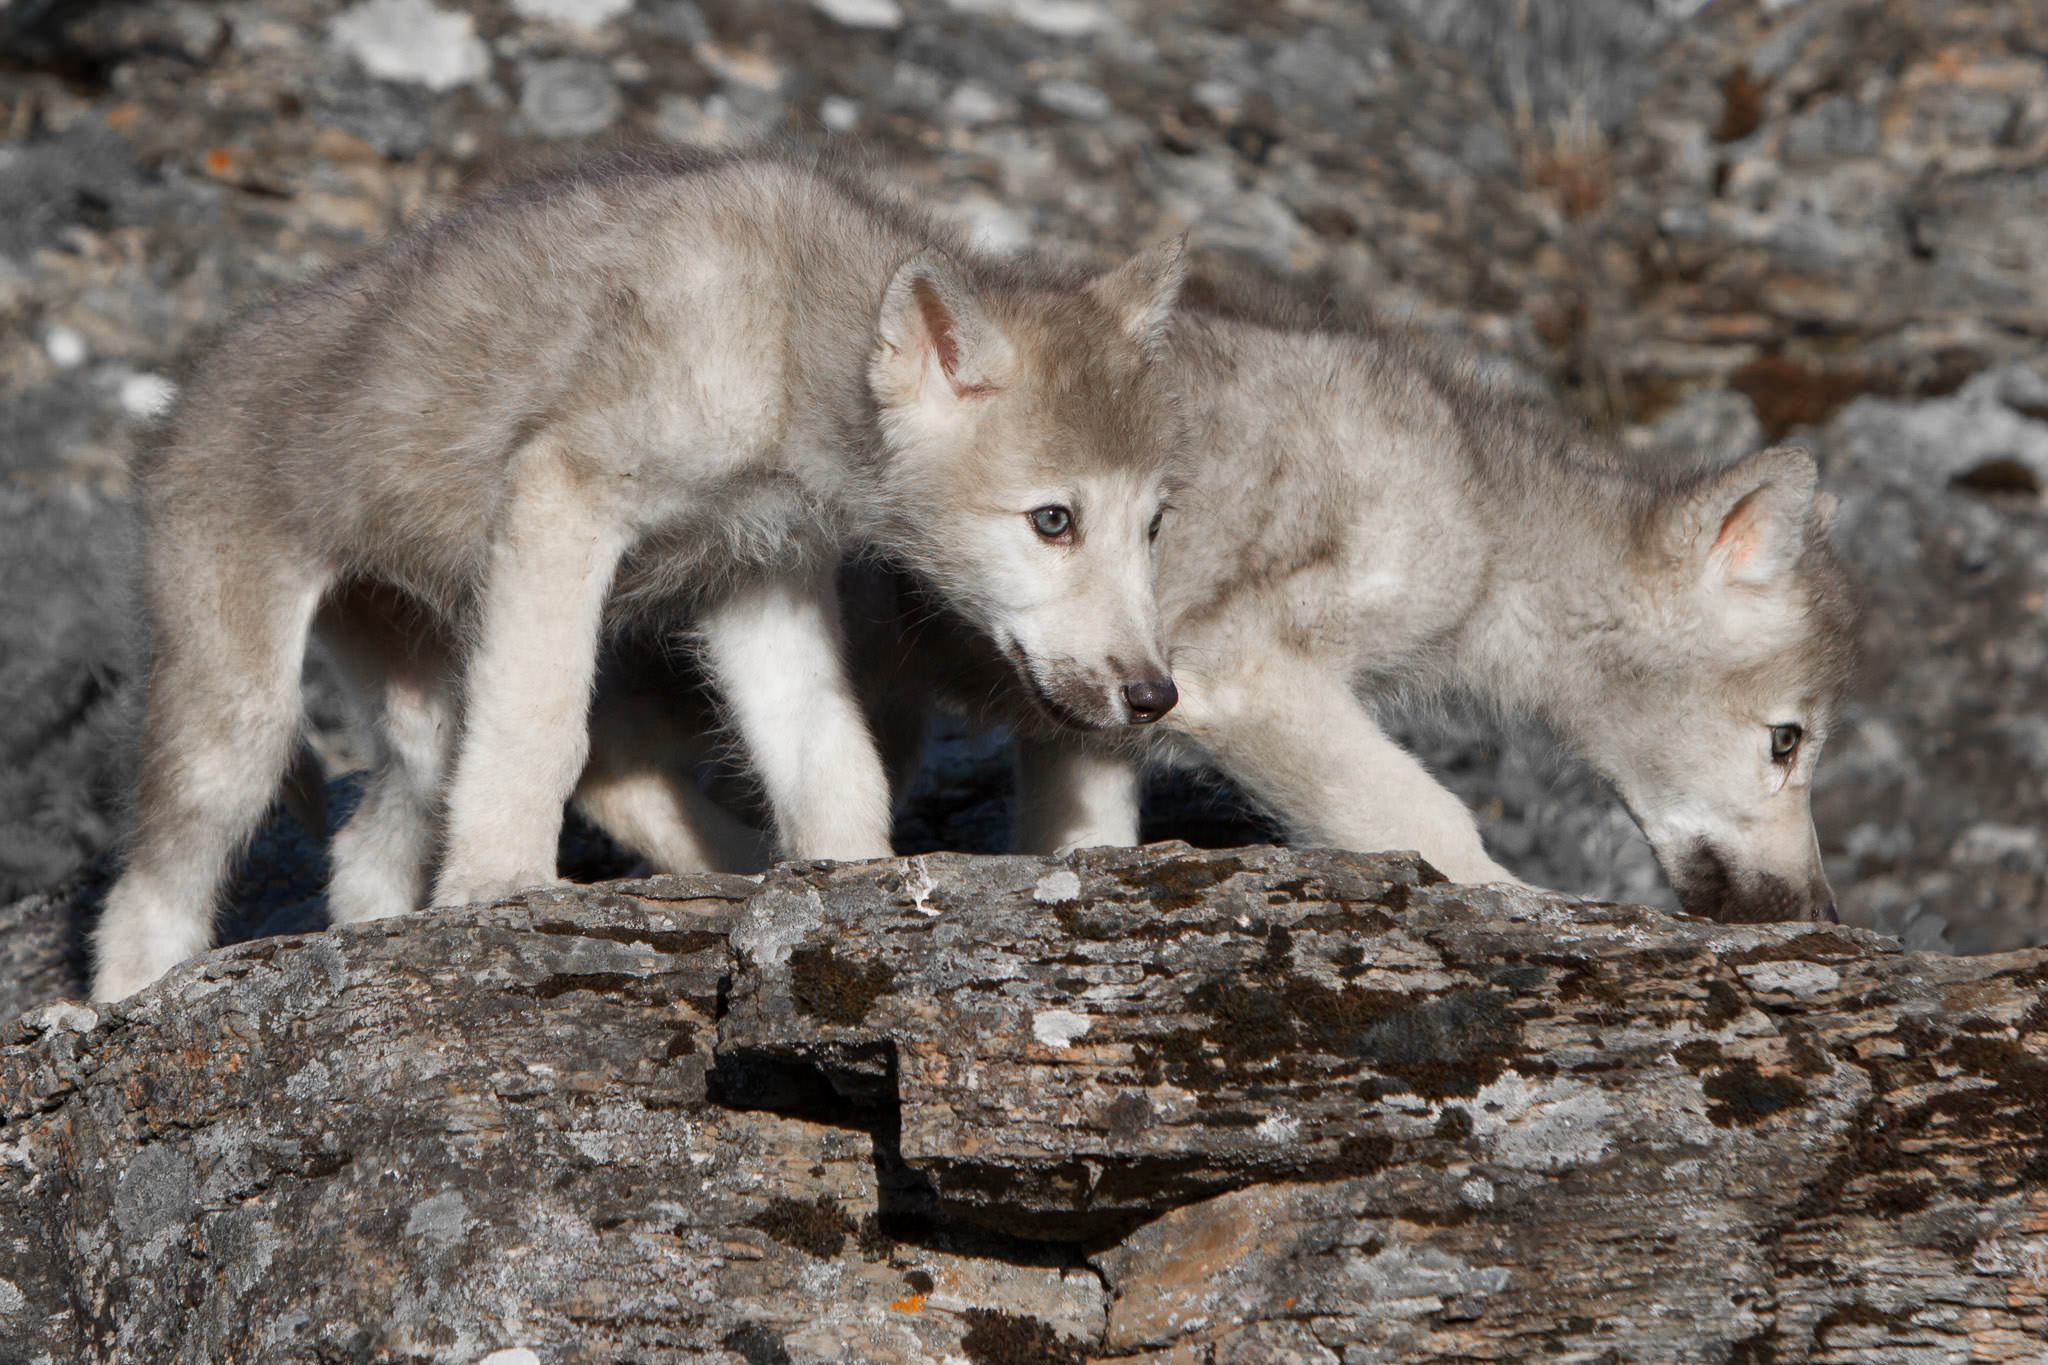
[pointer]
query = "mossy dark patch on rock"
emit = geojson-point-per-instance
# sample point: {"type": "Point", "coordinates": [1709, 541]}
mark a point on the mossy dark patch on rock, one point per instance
{"type": "Point", "coordinates": [1129, 1115]}
{"type": "Point", "coordinates": [628, 984]}
{"type": "Point", "coordinates": [1590, 983]}
{"type": "Point", "coordinates": [1857, 1314]}
{"type": "Point", "coordinates": [825, 987]}
{"type": "Point", "coordinates": [874, 1240]}
{"type": "Point", "coordinates": [1818, 946]}
{"type": "Point", "coordinates": [1758, 1349]}
{"type": "Point", "coordinates": [2009, 1117]}
{"type": "Point", "coordinates": [1724, 1004]}
{"type": "Point", "coordinates": [1871, 1153]}
{"type": "Point", "coordinates": [757, 1345]}
{"type": "Point", "coordinates": [997, 1338]}
{"type": "Point", "coordinates": [1517, 978]}
{"type": "Point", "coordinates": [1181, 883]}
{"type": "Point", "coordinates": [1262, 1017]}
{"type": "Point", "coordinates": [1808, 1057]}
{"type": "Point", "coordinates": [1742, 105]}
{"type": "Point", "coordinates": [1744, 1095]}
{"type": "Point", "coordinates": [1698, 1054]}
{"type": "Point", "coordinates": [1451, 1045]}
{"type": "Point", "coordinates": [1896, 1201]}
{"type": "Point", "coordinates": [819, 1228]}
{"type": "Point", "coordinates": [2021, 1076]}
{"type": "Point", "coordinates": [1279, 956]}
{"type": "Point", "coordinates": [1363, 1154]}
{"type": "Point", "coordinates": [1360, 919]}
{"type": "Point", "coordinates": [1887, 1169]}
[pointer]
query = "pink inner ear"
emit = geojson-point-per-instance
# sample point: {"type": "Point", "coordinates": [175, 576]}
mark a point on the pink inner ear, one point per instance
{"type": "Point", "coordinates": [1741, 537]}
{"type": "Point", "coordinates": [938, 325]}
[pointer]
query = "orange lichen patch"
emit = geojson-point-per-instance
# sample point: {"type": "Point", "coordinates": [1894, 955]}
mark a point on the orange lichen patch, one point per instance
{"type": "Point", "coordinates": [220, 161]}
{"type": "Point", "coordinates": [123, 115]}
{"type": "Point", "coordinates": [909, 1303]}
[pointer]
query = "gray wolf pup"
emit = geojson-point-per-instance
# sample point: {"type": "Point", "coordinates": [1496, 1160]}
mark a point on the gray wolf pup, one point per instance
{"type": "Point", "coordinates": [638, 396]}
{"type": "Point", "coordinates": [1366, 520]}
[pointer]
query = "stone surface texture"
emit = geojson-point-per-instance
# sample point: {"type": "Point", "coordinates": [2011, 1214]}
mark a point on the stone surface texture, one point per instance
{"type": "Point", "coordinates": [1133, 1105]}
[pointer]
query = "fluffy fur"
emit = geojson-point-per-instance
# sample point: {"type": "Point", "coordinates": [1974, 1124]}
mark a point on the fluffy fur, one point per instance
{"type": "Point", "coordinates": [646, 394]}
{"type": "Point", "coordinates": [1365, 519]}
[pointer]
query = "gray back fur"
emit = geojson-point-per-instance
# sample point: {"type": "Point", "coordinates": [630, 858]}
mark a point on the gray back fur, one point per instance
{"type": "Point", "coordinates": [1365, 505]}
{"type": "Point", "coordinates": [555, 303]}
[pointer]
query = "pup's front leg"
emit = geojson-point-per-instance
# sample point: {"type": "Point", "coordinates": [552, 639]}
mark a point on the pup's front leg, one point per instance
{"type": "Point", "coordinates": [1290, 731]}
{"type": "Point", "coordinates": [774, 650]}
{"type": "Point", "coordinates": [527, 687]}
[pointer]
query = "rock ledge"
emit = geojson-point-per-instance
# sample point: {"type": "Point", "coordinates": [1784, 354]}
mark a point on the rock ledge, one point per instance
{"type": "Point", "coordinates": [1155, 1104]}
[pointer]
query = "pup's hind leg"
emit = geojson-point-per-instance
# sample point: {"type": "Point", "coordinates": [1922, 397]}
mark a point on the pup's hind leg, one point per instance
{"type": "Point", "coordinates": [230, 624]}
{"type": "Point", "coordinates": [526, 686]}
{"type": "Point", "coordinates": [1071, 796]}
{"type": "Point", "coordinates": [647, 736]}
{"type": "Point", "coordinates": [400, 668]}
{"type": "Point", "coordinates": [774, 650]}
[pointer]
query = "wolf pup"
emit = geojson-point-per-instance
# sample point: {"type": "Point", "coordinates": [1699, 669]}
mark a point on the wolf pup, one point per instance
{"type": "Point", "coordinates": [641, 393]}
{"type": "Point", "coordinates": [1366, 520]}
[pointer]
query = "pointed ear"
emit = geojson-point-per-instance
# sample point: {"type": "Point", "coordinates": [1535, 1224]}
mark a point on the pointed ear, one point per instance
{"type": "Point", "coordinates": [1748, 525]}
{"type": "Point", "coordinates": [934, 342]}
{"type": "Point", "coordinates": [1143, 292]}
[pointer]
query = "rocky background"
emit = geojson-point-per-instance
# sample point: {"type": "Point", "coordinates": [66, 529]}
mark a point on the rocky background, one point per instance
{"type": "Point", "coordinates": [1710, 225]}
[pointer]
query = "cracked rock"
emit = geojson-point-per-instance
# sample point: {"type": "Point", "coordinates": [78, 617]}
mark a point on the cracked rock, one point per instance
{"type": "Point", "coordinates": [1155, 1104]}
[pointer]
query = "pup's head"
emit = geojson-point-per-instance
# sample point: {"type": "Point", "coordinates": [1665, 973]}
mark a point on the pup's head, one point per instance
{"type": "Point", "coordinates": [1030, 448]}
{"type": "Point", "coordinates": [1719, 682]}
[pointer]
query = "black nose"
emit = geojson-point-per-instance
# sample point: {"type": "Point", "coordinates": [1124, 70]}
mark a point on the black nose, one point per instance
{"type": "Point", "coordinates": [1827, 914]}
{"type": "Point", "coordinates": [1151, 699]}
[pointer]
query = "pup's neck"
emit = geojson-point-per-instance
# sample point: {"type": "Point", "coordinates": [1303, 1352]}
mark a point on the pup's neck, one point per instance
{"type": "Point", "coordinates": [1562, 593]}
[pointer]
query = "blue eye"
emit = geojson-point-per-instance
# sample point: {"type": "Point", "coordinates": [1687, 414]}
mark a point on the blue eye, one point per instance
{"type": "Point", "coordinates": [1785, 742]}
{"type": "Point", "coordinates": [1052, 522]}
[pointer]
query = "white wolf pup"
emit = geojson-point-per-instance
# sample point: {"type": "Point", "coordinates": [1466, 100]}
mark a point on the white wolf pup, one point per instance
{"type": "Point", "coordinates": [1365, 520]}
{"type": "Point", "coordinates": [656, 393]}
